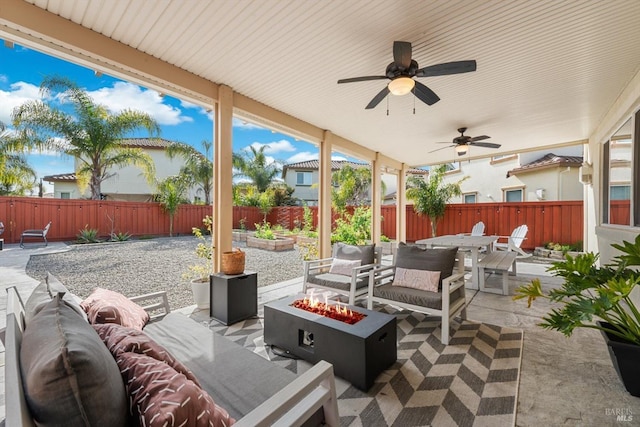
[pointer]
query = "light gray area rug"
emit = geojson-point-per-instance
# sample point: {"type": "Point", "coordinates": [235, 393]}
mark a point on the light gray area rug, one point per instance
{"type": "Point", "coordinates": [471, 382]}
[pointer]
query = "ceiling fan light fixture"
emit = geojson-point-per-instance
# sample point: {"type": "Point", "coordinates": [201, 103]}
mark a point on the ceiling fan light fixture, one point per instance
{"type": "Point", "coordinates": [401, 85]}
{"type": "Point", "coordinates": [461, 149]}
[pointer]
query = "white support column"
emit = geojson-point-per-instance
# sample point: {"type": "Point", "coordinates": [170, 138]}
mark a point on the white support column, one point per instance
{"type": "Point", "coordinates": [376, 197]}
{"type": "Point", "coordinates": [401, 205]}
{"type": "Point", "coordinates": [324, 197]}
{"type": "Point", "coordinates": [223, 176]}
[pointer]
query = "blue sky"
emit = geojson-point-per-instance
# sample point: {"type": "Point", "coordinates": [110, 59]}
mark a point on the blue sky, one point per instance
{"type": "Point", "coordinates": [22, 70]}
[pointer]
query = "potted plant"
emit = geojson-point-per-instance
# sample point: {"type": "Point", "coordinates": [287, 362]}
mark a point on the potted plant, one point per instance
{"type": "Point", "coordinates": [604, 292]}
{"type": "Point", "coordinates": [199, 273]}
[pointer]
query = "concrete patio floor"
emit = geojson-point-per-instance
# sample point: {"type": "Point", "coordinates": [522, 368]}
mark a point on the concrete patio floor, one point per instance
{"type": "Point", "coordinates": [563, 382]}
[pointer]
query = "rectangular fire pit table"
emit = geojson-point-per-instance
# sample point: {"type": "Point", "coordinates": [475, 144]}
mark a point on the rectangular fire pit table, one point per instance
{"type": "Point", "coordinates": [358, 352]}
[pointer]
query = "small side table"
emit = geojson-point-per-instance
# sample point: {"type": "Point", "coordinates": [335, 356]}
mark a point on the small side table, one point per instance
{"type": "Point", "coordinates": [234, 298]}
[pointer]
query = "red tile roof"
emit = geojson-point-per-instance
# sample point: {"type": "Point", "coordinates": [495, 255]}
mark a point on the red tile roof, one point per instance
{"type": "Point", "coordinates": [548, 161]}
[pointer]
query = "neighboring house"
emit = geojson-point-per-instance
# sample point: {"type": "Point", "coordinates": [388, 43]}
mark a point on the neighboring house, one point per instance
{"type": "Point", "coordinates": [303, 178]}
{"type": "Point", "coordinates": [127, 183]}
{"type": "Point", "coordinates": [525, 177]}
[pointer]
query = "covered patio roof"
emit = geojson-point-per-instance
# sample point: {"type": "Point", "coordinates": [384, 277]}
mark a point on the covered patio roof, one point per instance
{"type": "Point", "coordinates": [549, 74]}
{"type": "Point", "coordinates": [547, 71]}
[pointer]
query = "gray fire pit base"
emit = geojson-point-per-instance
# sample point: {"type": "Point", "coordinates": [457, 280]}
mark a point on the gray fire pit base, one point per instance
{"type": "Point", "coordinates": [359, 352]}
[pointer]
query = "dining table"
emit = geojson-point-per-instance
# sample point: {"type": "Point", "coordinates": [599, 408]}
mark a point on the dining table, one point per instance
{"type": "Point", "coordinates": [473, 244]}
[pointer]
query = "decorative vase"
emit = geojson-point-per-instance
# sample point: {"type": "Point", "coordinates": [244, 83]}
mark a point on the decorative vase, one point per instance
{"type": "Point", "coordinates": [625, 356]}
{"type": "Point", "coordinates": [201, 291]}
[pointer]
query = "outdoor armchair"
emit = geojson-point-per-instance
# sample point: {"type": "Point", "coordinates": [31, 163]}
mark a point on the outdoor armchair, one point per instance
{"type": "Point", "coordinates": [428, 281]}
{"type": "Point", "coordinates": [35, 234]}
{"type": "Point", "coordinates": [513, 243]}
{"type": "Point", "coordinates": [477, 230]}
{"type": "Point", "coordinates": [346, 272]}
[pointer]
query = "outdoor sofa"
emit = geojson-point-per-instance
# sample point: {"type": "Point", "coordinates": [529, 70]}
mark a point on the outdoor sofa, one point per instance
{"type": "Point", "coordinates": [253, 390]}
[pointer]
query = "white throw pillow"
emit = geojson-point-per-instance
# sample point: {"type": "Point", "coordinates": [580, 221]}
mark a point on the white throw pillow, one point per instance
{"type": "Point", "coordinates": [417, 279]}
{"type": "Point", "coordinates": [344, 266]}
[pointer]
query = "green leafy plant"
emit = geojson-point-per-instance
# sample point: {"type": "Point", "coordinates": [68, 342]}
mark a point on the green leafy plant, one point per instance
{"type": "Point", "coordinates": [243, 224]}
{"type": "Point", "coordinates": [353, 229]}
{"type": "Point", "coordinates": [589, 291]}
{"type": "Point", "coordinates": [308, 251]}
{"type": "Point", "coordinates": [88, 235]}
{"type": "Point", "coordinates": [307, 222]}
{"type": "Point", "coordinates": [120, 237]}
{"type": "Point", "coordinates": [204, 252]}
{"type": "Point", "coordinates": [384, 238]}
{"type": "Point", "coordinates": [264, 231]}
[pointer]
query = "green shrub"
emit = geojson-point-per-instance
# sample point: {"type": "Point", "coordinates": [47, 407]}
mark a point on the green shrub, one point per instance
{"type": "Point", "coordinates": [120, 237]}
{"type": "Point", "coordinates": [264, 231]}
{"type": "Point", "coordinates": [384, 238]}
{"type": "Point", "coordinates": [88, 235]}
{"type": "Point", "coordinates": [353, 229]}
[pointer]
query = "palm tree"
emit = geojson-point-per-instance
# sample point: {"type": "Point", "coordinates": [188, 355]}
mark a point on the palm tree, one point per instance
{"type": "Point", "coordinates": [256, 167]}
{"type": "Point", "coordinates": [17, 177]}
{"type": "Point", "coordinates": [91, 135]}
{"type": "Point", "coordinates": [171, 194]}
{"type": "Point", "coordinates": [198, 167]}
{"type": "Point", "coordinates": [430, 196]}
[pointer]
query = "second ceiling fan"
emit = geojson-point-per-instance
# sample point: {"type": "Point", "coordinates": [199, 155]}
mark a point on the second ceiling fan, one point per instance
{"type": "Point", "coordinates": [404, 69]}
{"type": "Point", "coordinates": [462, 142]}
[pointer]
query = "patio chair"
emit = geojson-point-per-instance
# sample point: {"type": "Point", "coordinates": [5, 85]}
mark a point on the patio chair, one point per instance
{"type": "Point", "coordinates": [35, 234]}
{"type": "Point", "coordinates": [518, 235]}
{"type": "Point", "coordinates": [428, 281]}
{"type": "Point", "coordinates": [477, 230]}
{"type": "Point", "coordinates": [346, 272]}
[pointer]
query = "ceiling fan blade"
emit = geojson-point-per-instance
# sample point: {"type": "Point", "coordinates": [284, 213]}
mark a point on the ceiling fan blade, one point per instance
{"type": "Point", "coordinates": [362, 79]}
{"type": "Point", "coordinates": [485, 144]}
{"type": "Point", "coordinates": [447, 68]}
{"type": "Point", "coordinates": [438, 149]}
{"type": "Point", "coordinates": [402, 54]}
{"type": "Point", "coordinates": [425, 94]}
{"type": "Point", "coordinates": [479, 138]}
{"type": "Point", "coordinates": [376, 99]}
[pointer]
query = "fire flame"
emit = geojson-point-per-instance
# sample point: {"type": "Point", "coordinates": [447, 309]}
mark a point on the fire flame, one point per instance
{"type": "Point", "coordinates": [335, 311]}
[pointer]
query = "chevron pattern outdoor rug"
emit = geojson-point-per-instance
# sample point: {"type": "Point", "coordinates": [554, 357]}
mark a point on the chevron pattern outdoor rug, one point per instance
{"type": "Point", "coordinates": [471, 382]}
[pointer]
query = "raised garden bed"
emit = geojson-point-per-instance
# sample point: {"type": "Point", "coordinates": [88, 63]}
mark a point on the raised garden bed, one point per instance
{"type": "Point", "coordinates": [551, 254]}
{"type": "Point", "coordinates": [240, 235]}
{"type": "Point", "coordinates": [279, 244]}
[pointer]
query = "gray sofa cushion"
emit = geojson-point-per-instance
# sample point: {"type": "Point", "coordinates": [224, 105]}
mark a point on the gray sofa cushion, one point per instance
{"type": "Point", "coordinates": [236, 378]}
{"type": "Point", "coordinates": [414, 296]}
{"type": "Point", "coordinates": [44, 293]}
{"type": "Point", "coordinates": [417, 258]}
{"type": "Point", "coordinates": [336, 281]}
{"type": "Point", "coordinates": [68, 374]}
{"type": "Point", "coordinates": [365, 253]}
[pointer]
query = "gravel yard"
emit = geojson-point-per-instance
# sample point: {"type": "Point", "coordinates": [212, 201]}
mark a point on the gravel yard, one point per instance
{"type": "Point", "coordinates": [142, 266]}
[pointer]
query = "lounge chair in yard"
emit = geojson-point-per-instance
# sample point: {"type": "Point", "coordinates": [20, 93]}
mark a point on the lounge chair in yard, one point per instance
{"type": "Point", "coordinates": [513, 243]}
{"type": "Point", "coordinates": [41, 234]}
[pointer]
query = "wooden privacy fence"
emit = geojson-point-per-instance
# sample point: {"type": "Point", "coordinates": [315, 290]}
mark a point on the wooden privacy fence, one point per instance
{"type": "Point", "coordinates": [547, 221]}
{"type": "Point", "coordinates": [68, 217]}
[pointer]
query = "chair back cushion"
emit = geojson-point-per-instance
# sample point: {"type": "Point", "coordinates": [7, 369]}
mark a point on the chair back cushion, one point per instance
{"type": "Point", "coordinates": [365, 253]}
{"type": "Point", "coordinates": [416, 258]}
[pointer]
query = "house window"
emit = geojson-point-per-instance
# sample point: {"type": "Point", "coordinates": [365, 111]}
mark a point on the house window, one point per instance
{"type": "Point", "coordinates": [469, 197]}
{"type": "Point", "coordinates": [513, 195]}
{"type": "Point", "coordinates": [65, 195]}
{"type": "Point", "coordinates": [303, 178]}
{"type": "Point", "coordinates": [452, 167]}
{"type": "Point", "coordinates": [617, 176]}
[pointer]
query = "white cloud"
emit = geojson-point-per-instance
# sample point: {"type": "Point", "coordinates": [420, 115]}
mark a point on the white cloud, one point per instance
{"type": "Point", "coordinates": [3, 78]}
{"type": "Point", "coordinates": [302, 156]}
{"type": "Point", "coordinates": [338, 157]}
{"type": "Point", "coordinates": [18, 94]}
{"type": "Point", "coordinates": [130, 96]}
{"type": "Point", "coordinates": [282, 146]}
